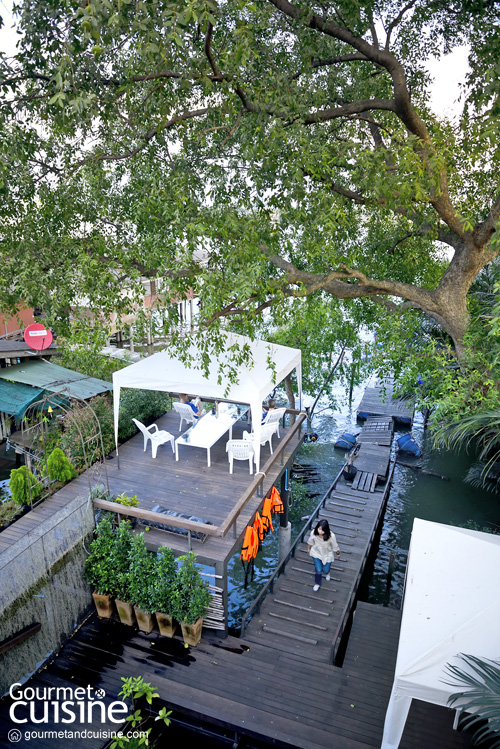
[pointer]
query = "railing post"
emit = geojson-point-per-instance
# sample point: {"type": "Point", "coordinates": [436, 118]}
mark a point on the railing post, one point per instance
{"type": "Point", "coordinates": [190, 545]}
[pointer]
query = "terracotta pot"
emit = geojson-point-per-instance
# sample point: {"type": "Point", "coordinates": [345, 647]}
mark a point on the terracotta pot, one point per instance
{"type": "Point", "coordinates": [103, 604]}
{"type": "Point", "coordinates": [144, 620]}
{"type": "Point", "coordinates": [166, 624]}
{"type": "Point", "coordinates": [192, 632]}
{"type": "Point", "coordinates": [125, 612]}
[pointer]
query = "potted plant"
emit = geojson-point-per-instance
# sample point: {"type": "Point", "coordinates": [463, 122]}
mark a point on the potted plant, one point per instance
{"type": "Point", "coordinates": [142, 566]}
{"type": "Point", "coordinates": [165, 579]}
{"type": "Point", "coordinates": [192, 599]}
{"type": "Point", "coordinates": [119, 563]}
{"type": "Point", "coordinates": [97, 569]}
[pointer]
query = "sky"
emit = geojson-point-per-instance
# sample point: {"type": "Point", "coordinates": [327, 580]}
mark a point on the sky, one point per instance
{"type": "Point", "coordinates": [448, 72]}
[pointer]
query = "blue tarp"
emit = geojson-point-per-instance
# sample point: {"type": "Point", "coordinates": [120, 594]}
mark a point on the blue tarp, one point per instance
{"type": "Point", "coordinates": [15, 397]}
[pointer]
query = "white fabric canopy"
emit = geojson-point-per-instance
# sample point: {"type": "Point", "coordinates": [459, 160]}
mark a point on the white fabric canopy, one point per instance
{"type": "Point", "coordinates": [451, 606]}
{"type": "Point", "coordinates": [162, 371]}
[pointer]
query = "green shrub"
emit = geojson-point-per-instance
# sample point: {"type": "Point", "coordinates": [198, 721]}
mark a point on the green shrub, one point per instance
{"type": "Point", "coordinates": [165, 580]}
{"type": "Point", "coordinates": [97, 569]}
{"type": "Point", "coordinates": [143, 405]}
{"type": "Point", "coordinates": [119, 562]}
{"type": "Point", "coordinates": [18, 485]}
{"type": "Point", "coordinates": [142, 568]}
{"type": "Point", "coordinates": [59, 467]}
{"type": "Point", "coordinates": [192, 596]}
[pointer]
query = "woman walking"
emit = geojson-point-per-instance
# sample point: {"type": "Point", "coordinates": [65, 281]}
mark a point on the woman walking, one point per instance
{"type": "Point", "coordinates": [322, 545]}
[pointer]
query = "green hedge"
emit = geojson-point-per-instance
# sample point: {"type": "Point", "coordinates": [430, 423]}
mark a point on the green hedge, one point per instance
{"type": "Point", "coordinates": [143, 405]}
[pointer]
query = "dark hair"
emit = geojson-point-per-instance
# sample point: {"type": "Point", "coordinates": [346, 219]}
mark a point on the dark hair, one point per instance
{"type": "Point", "coordinates": [326, 529]}
{"type": "Point", "coordinates": [271, 403]}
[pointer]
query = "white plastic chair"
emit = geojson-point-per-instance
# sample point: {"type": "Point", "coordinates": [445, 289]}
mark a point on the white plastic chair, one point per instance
{"type": "Point", "coordinates": [240, 450]}
{"type": "Point", "coordinates": [158, 437]}
{"type": "Point", "coordinates": [274, 416]}
{"type": "Point", "coordinates": [186, 413]}
{"type": "Point", "coordinates": [266, 435]}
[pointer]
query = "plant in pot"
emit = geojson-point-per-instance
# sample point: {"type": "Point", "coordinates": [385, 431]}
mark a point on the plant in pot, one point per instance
{"type": "Point", "coordinates": [165, 581]}
{"type": "Point", "coordinates": [119, 562]}
{"type": "Point", "coordinates": [192, 599]}
{"type": "Point", "coordinates": [142, 583]}
{"type": "Point", "coordinates": [97, 569]}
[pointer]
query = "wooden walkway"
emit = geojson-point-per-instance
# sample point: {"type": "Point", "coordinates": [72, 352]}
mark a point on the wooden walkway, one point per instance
{"type": "Point", "coordinates": [294, 618]}
{"type": "Point", "coordinates": [186, 486]}
{"type": "Point", "coordinates": [378, 400]}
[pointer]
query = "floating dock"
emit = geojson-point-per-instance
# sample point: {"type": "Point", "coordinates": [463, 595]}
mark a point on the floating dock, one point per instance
{"type": "Point", "coordinates": [378, 400]}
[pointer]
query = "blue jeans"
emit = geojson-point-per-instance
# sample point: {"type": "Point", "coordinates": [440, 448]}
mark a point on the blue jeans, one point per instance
{"type": "Point", "coordinates": [319, 568]}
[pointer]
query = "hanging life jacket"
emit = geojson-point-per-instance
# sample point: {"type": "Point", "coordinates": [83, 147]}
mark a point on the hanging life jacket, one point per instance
{"type": "Point", "coordinates": [276, 502]}
{"type": "Point", "coordinates": [249, 551]}
{"type": "Point", "coordinates": [266, 516]}
{"type": "Point", "coordinates": [259, 528]}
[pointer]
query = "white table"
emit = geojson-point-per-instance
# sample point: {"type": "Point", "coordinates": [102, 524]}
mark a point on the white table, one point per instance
{"type": "Point", "coordinates": [211, 428]}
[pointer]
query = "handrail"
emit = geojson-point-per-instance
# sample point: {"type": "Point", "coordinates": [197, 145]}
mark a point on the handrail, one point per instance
{"type": "Point", "coordinates": [291, 552]}
{"type": "Point", "coordinates": [155, 517]}
{"type": "Point", "coordinates": [192, 525]}
{"type": "Point", "coordinates": [259, 478]}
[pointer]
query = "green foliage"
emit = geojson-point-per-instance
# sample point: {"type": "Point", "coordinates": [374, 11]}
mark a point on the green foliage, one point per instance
{"type": "Point", "coordinates": [286, 189]}
{"type": "Point", "coordinates": [143, 405]}
{"type": "Point", "coordinates": [80, 436]}
{"type": "Point", "coordinates": [137, 689]}
{"type": "Point", "coordinates": [192, 596]}
{"type": "Point", "coordinates": [124, 499]}
{"type": "Point", "coordinates": [22, 492]}
{"type": "Point", "coordinates": [59, 467]}
{"type": "Point", "coordinates": [8, 510]}
{"type": "Point", "coordinates": [480, 696]}
{"type": "Point", "coordinates": [107, 566]}
{"type": "Point", "coordinates": [119, 562]}
{"type": "Point", "coordinates": [98, 569]}
{"type": "Point", "coordinates": [143, 571]}
{"type": "Point", "coordinates": [165, 581]}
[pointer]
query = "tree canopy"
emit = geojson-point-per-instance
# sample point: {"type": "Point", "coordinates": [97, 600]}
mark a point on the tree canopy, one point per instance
{"type": "Point", "coordinates": [260, 153]}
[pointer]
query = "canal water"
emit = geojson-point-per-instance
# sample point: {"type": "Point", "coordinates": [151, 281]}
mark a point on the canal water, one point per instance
{"type": "Point", "coordinates": [413, 494]}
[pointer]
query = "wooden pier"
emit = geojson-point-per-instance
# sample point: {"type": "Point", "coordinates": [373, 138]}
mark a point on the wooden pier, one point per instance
{"type": "Point", "coordinates": [378, 400]}
{"type": "Point", "coordinates": [294, 618]}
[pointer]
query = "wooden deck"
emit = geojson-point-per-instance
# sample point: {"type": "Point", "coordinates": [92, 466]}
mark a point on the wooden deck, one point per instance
{"type": "Point", "coordinates": [250, 689]}
{"type": "Point", "coordinates": [186, 486]}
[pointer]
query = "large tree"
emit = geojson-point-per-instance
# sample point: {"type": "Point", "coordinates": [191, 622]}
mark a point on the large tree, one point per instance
{"type": "Point", "coordinates": [256, 151]}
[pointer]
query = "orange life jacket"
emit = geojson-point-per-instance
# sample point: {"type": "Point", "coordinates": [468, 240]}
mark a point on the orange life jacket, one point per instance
{"type": "Point", "coordinates": [266, 515]}
{"type": "Point", "coordinates": [250, 544]}
{"type": "Point", "coordinates": [259, 526]}
{"type": "Point", "coordinates": [276, 503]}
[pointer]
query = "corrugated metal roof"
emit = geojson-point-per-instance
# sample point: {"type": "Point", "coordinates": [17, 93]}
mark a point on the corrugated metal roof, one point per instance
{"type": "Point", "coordinates": [16, 397]}
{"type": "Point", "coordinates": [55, 379]}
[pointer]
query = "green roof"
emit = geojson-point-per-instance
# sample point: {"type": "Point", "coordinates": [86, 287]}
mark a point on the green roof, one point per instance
{"type": "Point", "coordinates": [16, 397]}
{"type": "Point", "coordinates": [55, 379]}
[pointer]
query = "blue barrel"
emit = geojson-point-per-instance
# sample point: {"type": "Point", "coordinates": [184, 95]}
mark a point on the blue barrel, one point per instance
{"type": "Point", "coordinates": [346, 441]}
{"type": "Point", "coordinates": [407, 444]}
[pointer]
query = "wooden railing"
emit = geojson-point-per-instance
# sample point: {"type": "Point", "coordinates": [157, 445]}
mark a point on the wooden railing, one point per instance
{"type": "Point", "coordinates": [230, 521]}
{"type": "Point", "coordinates": [269, 586]}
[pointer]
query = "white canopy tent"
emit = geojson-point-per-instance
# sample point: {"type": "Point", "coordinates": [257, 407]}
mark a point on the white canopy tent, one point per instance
{"type": "Point", "coordinates": [451, 606]}
{"type": "Point", "coordinates": [163, 371]}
